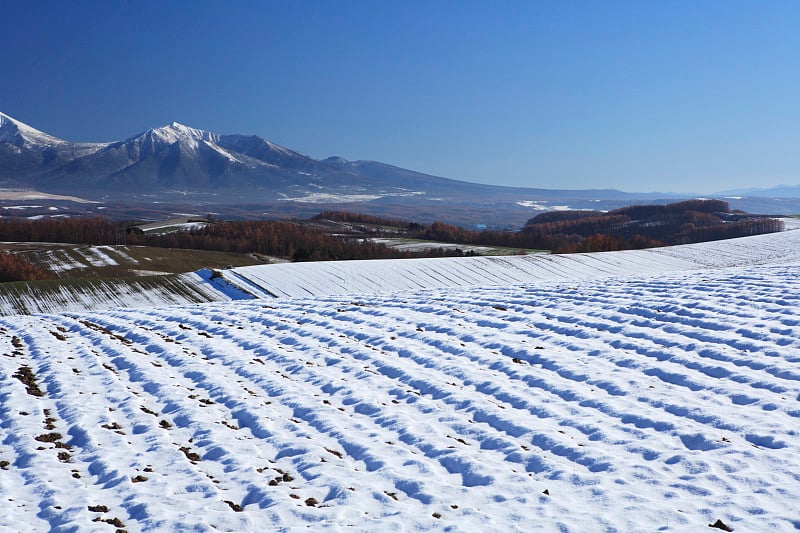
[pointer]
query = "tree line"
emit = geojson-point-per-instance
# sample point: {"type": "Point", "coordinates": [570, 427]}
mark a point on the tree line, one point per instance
{"type": "Point", "coordinates": [14, 267]}
{"type": "Point", "coordinates": [645, 226]}
{"type": "Point", "coordinates": [633, 227]}
{"type": "Point", "coordinates": [291, 240]}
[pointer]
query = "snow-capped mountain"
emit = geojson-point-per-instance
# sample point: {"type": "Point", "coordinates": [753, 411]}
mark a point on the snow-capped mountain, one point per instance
{"type": "Point", "coordinates": [170, 156]}
{"type": "Point", "coordinates": [180, 163]}
{"type": "Point", "coordinates": [26, 151]}
{"type": "Point", "coordinates": [20, 134]}
{"type": "Point", "coordinates": [176, 157]}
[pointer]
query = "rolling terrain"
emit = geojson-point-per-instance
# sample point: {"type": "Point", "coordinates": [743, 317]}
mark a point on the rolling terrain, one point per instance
{"type": "Point", "coordinates": [102, 275]}
{"type": "Point", "coordinates": [617, 393]}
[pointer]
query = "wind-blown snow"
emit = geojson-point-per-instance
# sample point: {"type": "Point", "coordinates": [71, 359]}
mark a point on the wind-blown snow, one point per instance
{"type": "Point", "coordinates": [354, 278]}
{"type": "Point", "coordinates": [295, 280]}
{"type": "Point", "coordinates": [633, 403]}
{"type": "Point", "coordinates": [98, 256]}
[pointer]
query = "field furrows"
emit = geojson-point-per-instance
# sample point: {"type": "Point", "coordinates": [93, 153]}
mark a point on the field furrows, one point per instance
{"type": "Point", "coordinates": [301, 280]}
{"type": "Point", "coordinates": [675, 398]}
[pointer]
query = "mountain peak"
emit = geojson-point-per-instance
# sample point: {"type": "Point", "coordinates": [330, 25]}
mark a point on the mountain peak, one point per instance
{"type": "Point", "coordinates": [177, 132]}
{"type": "Point", "coordinates": [6, 119]}
{"type": "Point", "coordinates": [20, 134]}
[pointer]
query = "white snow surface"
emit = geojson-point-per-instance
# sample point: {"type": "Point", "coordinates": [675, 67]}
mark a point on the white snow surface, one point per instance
{"type": "Point", "coordinates": [296, 280]}
{"type": "Point", "coordinates": [631, 397]}
{"type": "Point", "coordinates": [176, 132]}
{"type": "Point", "coordinates": [98, 256]}
{"type": "Point", "coordinates": [186, 288]}
{"type": "Point", "coordinates": [11, 128]}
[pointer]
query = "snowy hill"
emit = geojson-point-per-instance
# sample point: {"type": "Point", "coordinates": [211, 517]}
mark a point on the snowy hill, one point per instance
{"type": "Point", "coordinates": [630, 400]}
{"type": "Point", "coordinates": [297, 280]}
{"type": "Point", "coordinates": [357, 278]}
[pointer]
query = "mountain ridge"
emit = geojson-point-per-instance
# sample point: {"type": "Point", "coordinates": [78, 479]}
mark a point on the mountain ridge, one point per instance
{"type": "Point", "coordinates": [180, 164]}
{"type": "Point", "coordinates": [230, 166]}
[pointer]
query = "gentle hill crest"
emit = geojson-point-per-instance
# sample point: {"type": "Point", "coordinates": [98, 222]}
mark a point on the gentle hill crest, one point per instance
{"type": "Point", "coordinates": [369, 277]}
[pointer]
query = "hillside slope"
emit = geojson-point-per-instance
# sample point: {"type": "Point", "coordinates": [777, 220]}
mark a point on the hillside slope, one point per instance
{"type": "Point", "coordinates": [297, 280]}
{"type": "Point", "coordinates": [634, 403]}
{"type": "Point", "coordinates": [360, 278]}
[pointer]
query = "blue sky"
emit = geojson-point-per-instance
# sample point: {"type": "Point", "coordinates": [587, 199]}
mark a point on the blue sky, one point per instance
{"type": "Point", "coordinates": [671, 96]}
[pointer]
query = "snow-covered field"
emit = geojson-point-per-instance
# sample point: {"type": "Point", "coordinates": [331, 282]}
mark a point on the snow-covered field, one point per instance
{"type": "Point", "coordinates": [350, 278]}
{"type": "Point", "coordinates": [656, 392]}
{"type": "Point", "coordinates": [410, 245]}
{"type": "Point", "coordinates": [296, 280]}
{"type": "Point", "coordinates": [109, 294]}
{"type": "Point", "coordinates": [61, 258]}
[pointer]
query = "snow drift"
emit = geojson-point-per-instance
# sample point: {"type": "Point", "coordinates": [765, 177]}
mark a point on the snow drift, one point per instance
{"type": "Point", "coordinates": [635, 402]}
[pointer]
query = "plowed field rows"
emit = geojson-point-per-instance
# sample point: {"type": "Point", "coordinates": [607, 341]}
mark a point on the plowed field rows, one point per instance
{"type": "Point", "coordinates": [626, 404]}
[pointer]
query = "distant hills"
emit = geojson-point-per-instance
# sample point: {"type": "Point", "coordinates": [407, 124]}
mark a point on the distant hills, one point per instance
{"type": "Point", "coordinates": [781, 191]}
{"type": "Point", "coordinates": [184, 165]}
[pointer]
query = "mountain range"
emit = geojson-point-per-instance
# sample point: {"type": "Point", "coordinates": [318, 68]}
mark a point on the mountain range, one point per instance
{"type": "Point", "coordinates": [170, 158]}
{"type": "Point", "coordinates": [180, 164]}
{"type": "Point", "coordinates": [178, 158]}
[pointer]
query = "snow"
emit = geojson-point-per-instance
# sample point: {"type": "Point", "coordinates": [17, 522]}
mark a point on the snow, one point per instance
{"type": "Point", "coordinates": [15, 194]}
{"type": "Point", "coordinates": [98, 295]}
{"type": "Point", "coordinates": [63, 260]}
{"type": "Point", "coordinates": [638, 402]}
{"type": "Point", "coordinates": [175, 132]}
{"type": "Point", "coordinates": [98, 256]}
{"type": "Point", "coordinates": [16, 132]}
{"type": "Point", "coordinates": [188, 137]}
{"type": "Point", "coordinates": [421, 246]}
{"type": "Point", "coordinates": [541, 205]}
{"type": "Point", "coordinates": [226, 154]}
{"type": "Point", "coordinates": [297, 280]}
{"type": "Point", "coordinates": [11, 128]}
{"type": "Point", "coordinates": [327, 197]}
{"type": "Point", "coordinates": [322, 197]}
{"type": "Point", "coordinates": [791, 223]}
{"type": "Point", "coordinates": [153, 227]}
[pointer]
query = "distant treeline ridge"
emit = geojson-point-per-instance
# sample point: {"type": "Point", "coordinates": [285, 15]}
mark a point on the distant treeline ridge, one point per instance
{"type": "Point", "coordinates": [561, 232]}
{"type": "Point", "coordinates": [299, 242]}
{"type": "Point", "coordinates": [635, 227]}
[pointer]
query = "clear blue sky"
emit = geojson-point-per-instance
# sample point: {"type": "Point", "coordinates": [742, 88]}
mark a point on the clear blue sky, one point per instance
{"type": "Point", "coordinates": [678, 95]}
